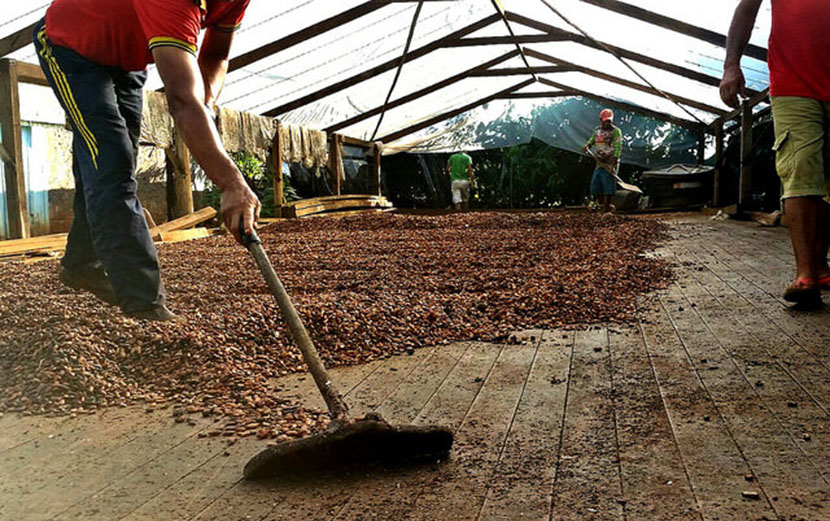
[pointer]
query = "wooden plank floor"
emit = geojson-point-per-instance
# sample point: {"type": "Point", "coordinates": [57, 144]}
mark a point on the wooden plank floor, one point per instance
{"type": "Point", "coordinates": [714, 406]}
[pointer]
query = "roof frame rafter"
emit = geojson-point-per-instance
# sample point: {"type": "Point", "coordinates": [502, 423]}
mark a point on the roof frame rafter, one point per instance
{"type": "Point", "coordinates": [17, 40]}
{"type": "Point", "coordinates": [302, 35]}
{"type": "Point", "coordinates": [692, 125]}
{"type": "Point", "coordinates": [625, 83]}
{"type": "Point", "coordinates": [379, 69]}
{"type": "Point", "coordinates": [678, 70]}
{"type": "Point", "coordinates": [447, 115]}
{"type": "Point", "coordinates": [420, 93]}
{"type": "Point", "coordinates": [672, 24]}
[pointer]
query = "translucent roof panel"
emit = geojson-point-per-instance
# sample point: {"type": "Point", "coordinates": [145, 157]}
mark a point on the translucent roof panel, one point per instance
{"type": "Point", "coordinates": [341, 76]}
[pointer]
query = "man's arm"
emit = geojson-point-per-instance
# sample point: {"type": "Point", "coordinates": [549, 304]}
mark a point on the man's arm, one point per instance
{"type": "Point", "coordinates": [213, 62]}
{"type": "Point", "coordinates": [590, 142]}
{"type": "Point", "coordinates": [743, 21]}
{"type": "Point", "coordinates": [617, 147]}
{"type": "Point", "coordinates": [186, 100]}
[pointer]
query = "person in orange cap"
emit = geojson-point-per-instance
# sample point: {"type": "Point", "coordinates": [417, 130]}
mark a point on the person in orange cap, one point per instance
{"type": "Point", "coordinates": [607, 142]}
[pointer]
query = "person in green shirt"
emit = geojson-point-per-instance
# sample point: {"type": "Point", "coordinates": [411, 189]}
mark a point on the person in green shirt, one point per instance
{"type": "Point", "coordinates": [460, 169]}
{"type": "Point", "coordinates": [607, 143]}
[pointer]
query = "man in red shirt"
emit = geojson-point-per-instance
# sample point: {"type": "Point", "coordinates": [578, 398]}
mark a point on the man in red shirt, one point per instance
{"type": "Point", "coordinates": [94, 54]}
{"type": "Point", "coordinates": [799, 66]}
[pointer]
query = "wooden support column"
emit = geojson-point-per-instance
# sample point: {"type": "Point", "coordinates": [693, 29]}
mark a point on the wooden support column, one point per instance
{"type": "Point", "coordinates": [378, 149]}
{"type": "Point", "coordinates": [279, 184]}
{"type": "Point", "coordinates": [179, 183]}
{"type": "Point", "coordinates": [336, 161]}
{"type": "Point", "coordinates": [745, 189]}
{"type": "Point", "coordinates": [701, 147]}
{"type": "Point", "coordinates": [12, 144]}
{"type": "Point", "coordinates": [718, 164]}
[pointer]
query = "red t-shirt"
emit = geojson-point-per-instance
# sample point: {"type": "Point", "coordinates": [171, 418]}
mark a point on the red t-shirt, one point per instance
{"type": "Point", "coordinates": [121, 33]}
{"type": "Point", "coordinates": [799, 49]}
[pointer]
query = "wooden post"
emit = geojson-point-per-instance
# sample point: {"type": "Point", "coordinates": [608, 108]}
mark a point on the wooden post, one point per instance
{"type": "Point", "coordinates": [378, 149]}
{"type": "Point", "coordinates": [179, 184]}
{"type": "Point", "coordinates": [336, 161]}
{"type": "Point", "coordinates": [718, 163]}
{"type": "Point", "coordinates": [745, 189]}
{"type": "Point", "coordinates": [16, 207]}
{"type": "Point", "coordinates": [279, 186]}
{"type": "Point", "coordinates": [701, 147]}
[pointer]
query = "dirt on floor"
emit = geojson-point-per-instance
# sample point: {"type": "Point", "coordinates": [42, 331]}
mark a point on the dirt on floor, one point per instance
{"type": "Point", "coordinates": [368, 287]}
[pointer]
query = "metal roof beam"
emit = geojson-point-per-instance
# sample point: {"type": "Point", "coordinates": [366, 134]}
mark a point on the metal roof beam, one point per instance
{"type": "Point", "coordinates": [447, 115]}
{"type": "Point", "coordinates": [672, 24]}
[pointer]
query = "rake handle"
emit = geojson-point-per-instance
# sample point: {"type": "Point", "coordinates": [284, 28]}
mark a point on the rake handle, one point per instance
{"type": "Point", "coordinates": [337, 408]}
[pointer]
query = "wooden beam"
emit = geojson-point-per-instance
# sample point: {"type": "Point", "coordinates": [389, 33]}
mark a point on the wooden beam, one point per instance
{"type": "Point", "coordinates": [625, 53]}
{"type": "Point", "coordinates": [349, 140]}
{"type": "Point", "coordinates": [506, 40]}
{"type": "Point", "coordinates": [16, 207]}
{"type": "Point", "coordinates": [17, 41]}
{"type": "Point", "coordinates": [187, 221]}
{"type": "Point", "coordinates": [336, 161]}
{"type": "Point", "coordinates": [520, 71]}
{"type": "Point", "coordinates": [28, 73]}
{"type": "Point", "coordinates": [305, 34]}
{"type": "Point", "coordinates": [179, 178]}
{"type": "Point", "coordinates": [437, 119]}
{"type": "Point", "coordinates": [5, 155]}
{"type": "Point", "coordinates": [279, 184]}
{"type": "Point", "coordinates": [420, 93]}
{"type": "Point", "coordinates": [379, 69]}
{"type": "Point", "coordinates": [625, 83]}
{"type": "Point", "coordinates": [692, 125]}
{"type": "Point", "coordinates": [377, 151]}
{"type": "Point", "coordinates": [701, 147]}
{"type": "Point", "coordinates": [759, 97]}
{"type": "Point", "coordinates": [745, 187]}
{"type": "Point", "coordinates": [536, 95]}
{"type": "Point", "coordinates": [718, 164]}
{"type": "Point", "coordinates": [672, 24]}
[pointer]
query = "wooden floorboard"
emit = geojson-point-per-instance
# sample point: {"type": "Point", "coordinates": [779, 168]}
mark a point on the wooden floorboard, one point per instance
{"type": "Point", "coordinates": [523, 480]}
{"type": "Point", "coordinates": [256, 500]}
{"type": "Point", "coordinates": [715, 464]}
{"type": "Point", "coordinates": [587, 480]}
{"type": "Point", "coordinates": [791, 477]}
{"type": "Point", "coordinates": [655, 476]}
{"type": "Point", "coordinates": [448, 405]}
{"type": "Point", "coordinates": [463, 483]}
{"type": "Point", "coordinates": [718, 392]}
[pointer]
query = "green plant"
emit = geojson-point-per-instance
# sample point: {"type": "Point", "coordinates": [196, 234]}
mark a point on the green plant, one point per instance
{"type": "Point", "coordinates": [261, 180]}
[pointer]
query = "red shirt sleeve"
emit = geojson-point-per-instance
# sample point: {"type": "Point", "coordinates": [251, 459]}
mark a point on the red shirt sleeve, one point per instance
{"type": "Point", "coordinates": [173, 23]}
{"type": "Point", "coordinates": [226, 15]}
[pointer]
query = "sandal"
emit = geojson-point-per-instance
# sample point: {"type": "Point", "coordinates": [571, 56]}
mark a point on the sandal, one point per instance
{"type": "Point", "coordinates": [803, 291]}
{"type": "Point", "coordinates": [824, 282]}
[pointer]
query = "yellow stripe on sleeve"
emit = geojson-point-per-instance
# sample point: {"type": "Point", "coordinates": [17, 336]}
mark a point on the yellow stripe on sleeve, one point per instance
{"type": "Point", "coordinates": [165, 41]}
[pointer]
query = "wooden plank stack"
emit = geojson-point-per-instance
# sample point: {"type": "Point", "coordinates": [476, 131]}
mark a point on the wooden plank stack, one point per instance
{"type": "Point", "coordinates": [324, 205]}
